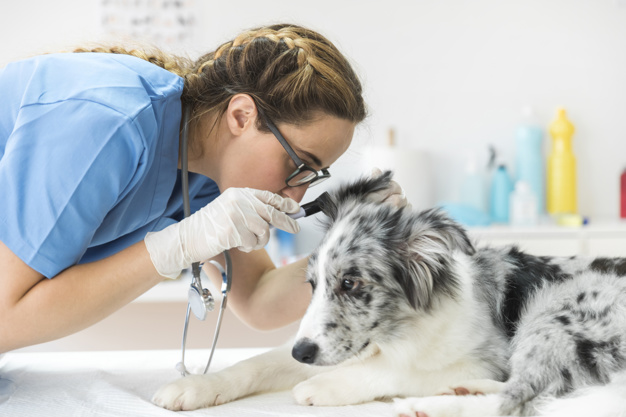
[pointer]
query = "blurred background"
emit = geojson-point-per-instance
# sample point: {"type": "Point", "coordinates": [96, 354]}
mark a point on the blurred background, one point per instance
{"type": "Point", "coordinates": [453, 88]}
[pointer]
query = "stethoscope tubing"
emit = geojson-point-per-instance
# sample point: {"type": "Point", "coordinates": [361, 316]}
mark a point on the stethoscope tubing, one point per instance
{"type": "Point", "coordinates": [196, 268]}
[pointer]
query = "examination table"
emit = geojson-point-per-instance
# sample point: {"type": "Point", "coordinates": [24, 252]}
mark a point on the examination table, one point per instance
{"type": "Point", "coordinates": [121, 383]}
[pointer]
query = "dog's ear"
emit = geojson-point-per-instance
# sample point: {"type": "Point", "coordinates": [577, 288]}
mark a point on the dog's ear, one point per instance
{"type": "Point", "coordinates": [439, 227]}
{"type": "Point", "coordinates": [361, 188]}
{"type": "Point", "coordinates": [431, 245]}
{"type": "Point", "coordinates": [356, 191]}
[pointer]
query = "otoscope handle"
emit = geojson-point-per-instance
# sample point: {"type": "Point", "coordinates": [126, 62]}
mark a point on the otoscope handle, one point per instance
{"type": "Point", "coordinates": [300, 213]}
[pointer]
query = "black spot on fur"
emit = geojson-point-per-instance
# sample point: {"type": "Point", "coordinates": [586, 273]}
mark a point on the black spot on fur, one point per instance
{"type": "Point", "coordinates": [531, 273]}
{"type": "Point", "coordinates": [588, 352]}
{"type": "Point", "coordinates": [331, 325]}
{"type": "Point", "coordinates": [568, 383]}
{"type": "Point", "coordinates": [375, 276]}
{"type": "Point", "coordinates": [366, 297]}
{"type": "Point", "coordinates": [353, 272]}
{"type": "Point", "coordinates": [581, 297]}
{"type": "Point", "coordinates": [353, 248]}
{"type": "Point", "coordinates": [615, 266]}
{"type": "Point", "coordinates": [603, 265]}
{"type": "Point", "coordinates": [564, 320]}
{"type": "Point", "coordinates": [604, 312]}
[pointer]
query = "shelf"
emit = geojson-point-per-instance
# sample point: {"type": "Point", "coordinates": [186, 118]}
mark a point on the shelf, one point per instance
{"type": "Point", "coordinates": [599, 238]}
{"type": "Point", "coordinates": [614, 228]}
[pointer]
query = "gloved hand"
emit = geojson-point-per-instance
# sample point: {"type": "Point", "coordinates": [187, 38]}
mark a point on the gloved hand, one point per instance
{"type": "Point", "coordinates": [394, 194]}
{"type": "Point", "coordinates": [238, 218]}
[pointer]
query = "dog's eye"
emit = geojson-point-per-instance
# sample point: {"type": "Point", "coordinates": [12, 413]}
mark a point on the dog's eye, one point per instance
{"type": "Point", "coordinates": [349, 284]}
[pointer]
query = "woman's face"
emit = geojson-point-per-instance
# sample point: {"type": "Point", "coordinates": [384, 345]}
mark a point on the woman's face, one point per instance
{"type": "Point", "coordinates": [258, 160]}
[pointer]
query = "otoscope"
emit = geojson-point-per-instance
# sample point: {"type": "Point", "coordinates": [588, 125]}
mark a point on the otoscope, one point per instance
{"type": "Point", "coordinates": [312, 207]}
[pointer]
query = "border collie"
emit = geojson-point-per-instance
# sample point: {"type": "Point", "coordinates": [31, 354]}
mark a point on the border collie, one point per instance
{"type": "Point", "coordinates": [404, 305]}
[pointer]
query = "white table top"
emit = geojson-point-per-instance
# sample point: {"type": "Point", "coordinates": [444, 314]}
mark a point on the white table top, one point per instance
{"type": "Point", "coordinates": [121, 383]}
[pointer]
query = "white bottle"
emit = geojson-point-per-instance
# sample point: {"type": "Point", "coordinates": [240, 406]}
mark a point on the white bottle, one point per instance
{"type": "Point", "coordinates": [523, 205]}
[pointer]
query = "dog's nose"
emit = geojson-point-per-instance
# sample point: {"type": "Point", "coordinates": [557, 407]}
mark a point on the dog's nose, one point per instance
{"type": "Point", "coordinates": [305, 351]}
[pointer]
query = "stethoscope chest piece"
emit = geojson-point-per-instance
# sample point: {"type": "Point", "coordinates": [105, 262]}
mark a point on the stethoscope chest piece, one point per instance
{"type": "Point", "coordinates": [200, 299]}
{"type": "Point", "coordinates": [200, 302]}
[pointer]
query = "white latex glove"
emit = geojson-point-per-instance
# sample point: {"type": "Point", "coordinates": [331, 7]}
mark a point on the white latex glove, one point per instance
{"type": "Point", "coordinates": [394, 194]}
{"type": "Point", "coordinates": [238, 218]}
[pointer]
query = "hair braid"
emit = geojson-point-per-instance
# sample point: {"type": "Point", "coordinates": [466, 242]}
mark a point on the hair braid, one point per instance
{"type": "Point", "coordinates": [176, 64]}
{"type": "Point", "coordinates": [289, 70]}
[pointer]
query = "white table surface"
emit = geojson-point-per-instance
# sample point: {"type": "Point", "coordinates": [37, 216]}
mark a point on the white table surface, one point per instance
{"type": "Point", "coordinates": [121, 383]}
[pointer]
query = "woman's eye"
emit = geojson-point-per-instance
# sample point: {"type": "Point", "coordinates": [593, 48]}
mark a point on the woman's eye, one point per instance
{"type": "Point", "coordinates": [349, 284]}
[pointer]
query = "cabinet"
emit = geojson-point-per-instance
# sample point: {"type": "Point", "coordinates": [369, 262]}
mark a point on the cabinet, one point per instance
{"type": "Point", "coordinates": [601, 238]}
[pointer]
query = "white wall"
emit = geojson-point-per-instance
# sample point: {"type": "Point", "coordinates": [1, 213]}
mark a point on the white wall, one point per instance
{"type": "Point", "coordinates": [450, 76]}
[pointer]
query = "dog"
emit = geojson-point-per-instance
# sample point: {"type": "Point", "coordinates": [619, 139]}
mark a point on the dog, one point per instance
{"type": "Point", "coordinates": [404, 305]}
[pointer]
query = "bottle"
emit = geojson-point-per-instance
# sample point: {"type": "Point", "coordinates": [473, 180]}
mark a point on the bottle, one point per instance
{"type": "Point", "coordinates": [623, 195]}
{"type": "Point", "coordinates": [529, 157]}
{"type": "Point", "coordinates": [523, 205]}
{"type": "Point", "coordinates": [473, 191]}
{"type": "Point", "coordinates": [561, 190]}
{"type": "Point", "coordinates": [501, 187]}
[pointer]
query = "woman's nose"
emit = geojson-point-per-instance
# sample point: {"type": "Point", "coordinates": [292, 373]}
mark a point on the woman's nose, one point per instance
{"type": "Point", "coordinates": [295, 193]}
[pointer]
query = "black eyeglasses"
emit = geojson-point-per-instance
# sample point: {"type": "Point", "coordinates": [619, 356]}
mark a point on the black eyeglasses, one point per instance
{"type": "Point", "coordinates": [303, 174]}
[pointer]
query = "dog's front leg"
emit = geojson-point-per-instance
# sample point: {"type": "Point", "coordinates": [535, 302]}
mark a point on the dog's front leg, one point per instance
{"type": "Point", "coordinates": [275, 370]}
{"type": "Point", "coordinates": [354, 383]}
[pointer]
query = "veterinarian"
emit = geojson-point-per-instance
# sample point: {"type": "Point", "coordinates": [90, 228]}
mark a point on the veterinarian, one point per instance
{"type": "Point", "coordinates": [91, 200]}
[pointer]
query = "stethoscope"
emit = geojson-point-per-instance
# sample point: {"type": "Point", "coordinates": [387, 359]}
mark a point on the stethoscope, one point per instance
{"type": "Point", "coordinates": [200, 300]}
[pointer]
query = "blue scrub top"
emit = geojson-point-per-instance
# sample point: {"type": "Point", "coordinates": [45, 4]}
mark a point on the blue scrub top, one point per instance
{"type": "Point", "coordinates": [88, 157]}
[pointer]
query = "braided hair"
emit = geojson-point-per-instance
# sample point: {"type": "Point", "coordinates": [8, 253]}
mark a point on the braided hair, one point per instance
{"type": "Point", "coordinates": [291, 72]}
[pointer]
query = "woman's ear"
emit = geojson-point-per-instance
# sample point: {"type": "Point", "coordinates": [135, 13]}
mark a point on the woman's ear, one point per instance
{"type": "Point", "coordinates": [241, 114]}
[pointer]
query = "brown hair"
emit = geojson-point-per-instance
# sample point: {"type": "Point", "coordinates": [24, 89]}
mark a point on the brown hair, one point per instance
{"type": "Point", "coordinates": [290, 71]}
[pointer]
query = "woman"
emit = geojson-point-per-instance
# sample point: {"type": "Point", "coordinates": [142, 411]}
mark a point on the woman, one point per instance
{"type": "Point", "coordinates": [91, 203]}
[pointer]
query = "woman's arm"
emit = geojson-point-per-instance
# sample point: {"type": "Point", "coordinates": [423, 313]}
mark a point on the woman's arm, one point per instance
{"type": "Point", "coordinates": [34, 309]}
{"type": "Point", "coordinates": [263, 296]}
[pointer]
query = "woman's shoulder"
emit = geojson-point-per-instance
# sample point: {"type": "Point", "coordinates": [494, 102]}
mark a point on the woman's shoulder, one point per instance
{"type": "Point", "coordinates": [122, 82]}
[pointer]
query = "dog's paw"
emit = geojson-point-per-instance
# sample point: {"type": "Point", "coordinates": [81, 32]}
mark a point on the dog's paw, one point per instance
{"type": "Point", "coordinates": [193, 392]}
{"type": "Point", "coordinates": [446, 406]}
{"type": "Point", "coordinates": [321, 391]}
{"type": "Point", "coordinates": [421, 407]}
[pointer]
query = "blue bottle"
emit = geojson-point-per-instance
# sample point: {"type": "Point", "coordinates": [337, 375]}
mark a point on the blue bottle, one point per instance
{"type": "Point", "coordinates": [501, 188]}
{"type": "Point", "coordinates": [474, 188]}
{"type": "Point", "coordinates": [529, 161]}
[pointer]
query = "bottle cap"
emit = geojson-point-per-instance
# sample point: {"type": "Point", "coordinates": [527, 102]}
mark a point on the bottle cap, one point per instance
{"type": "Point", "coordinates": [561, 127]}
{"type": "Point", "coordinates": [522, 187]}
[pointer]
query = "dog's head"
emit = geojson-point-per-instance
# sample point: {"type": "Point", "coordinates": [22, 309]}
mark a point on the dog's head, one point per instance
{"type": "Point", "coordinates": [376, 268]}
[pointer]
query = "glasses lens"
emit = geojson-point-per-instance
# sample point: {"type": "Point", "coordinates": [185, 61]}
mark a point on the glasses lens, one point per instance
{"type": "Point", "coordinates": [301, 177]}
{"type": "Point", "coordinates": [319, 180]}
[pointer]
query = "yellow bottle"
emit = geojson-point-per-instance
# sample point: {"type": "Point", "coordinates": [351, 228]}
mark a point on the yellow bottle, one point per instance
{"type": "Point", "coordinates": [561, 189]}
